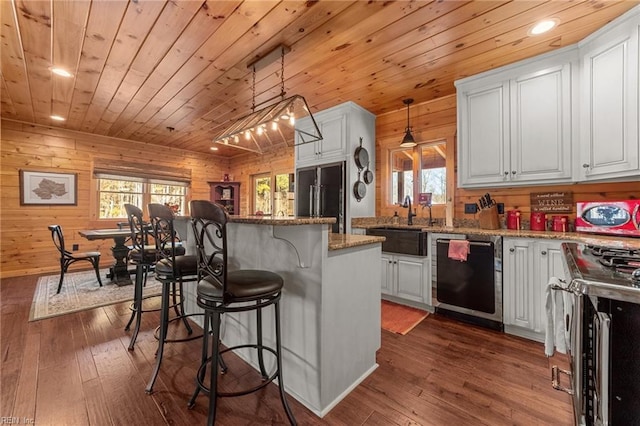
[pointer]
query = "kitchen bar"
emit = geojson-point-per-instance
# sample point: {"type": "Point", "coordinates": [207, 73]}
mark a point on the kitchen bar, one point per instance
{"type": "Point", "coordinates": [330, 304]}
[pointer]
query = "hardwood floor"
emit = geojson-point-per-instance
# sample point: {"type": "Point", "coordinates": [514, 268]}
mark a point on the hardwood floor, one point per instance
{"type": "Point", "coordinates": [76, 370]}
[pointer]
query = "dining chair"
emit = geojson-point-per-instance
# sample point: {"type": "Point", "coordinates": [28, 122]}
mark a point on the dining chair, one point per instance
{"type": "Point", "coordinates": [222, 291]}
{"type": "Point", "coordinates": [67, 258]}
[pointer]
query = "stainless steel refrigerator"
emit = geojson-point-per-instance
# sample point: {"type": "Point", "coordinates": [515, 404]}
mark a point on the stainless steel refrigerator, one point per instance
{"type": "Point", "coordinates": [320, 193]}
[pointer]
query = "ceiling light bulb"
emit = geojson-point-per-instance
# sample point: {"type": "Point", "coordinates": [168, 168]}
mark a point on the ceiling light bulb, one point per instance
{"type": "Point", "coordinates": [215, 148]}
{"type": "Point", "coordinates": [247, 135]}
{"type": "Point", "coordinates": [292, 120]}
{"type": "Point", "coordinates": [61, 72]}
{"type": "Point", "coordinates": [226, 142]}
{"type": "Point", "coordinates": [543, 26]}
{"type": "Point", "coordinates": [57, 118]}
{"type": "Point", "coordinates": [260, 130]}
{"type": "Point", "coordinates": [274, 125]}
{"type": "Point", "coordinates": [236, 139]}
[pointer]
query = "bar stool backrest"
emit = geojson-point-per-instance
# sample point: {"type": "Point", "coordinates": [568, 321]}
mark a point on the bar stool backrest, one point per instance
{"type": "Point", "coordinates": [137, 226]}
{"type": "Point", "coordinates": [209, 221]}
{"type": "Point", "coordinates": [163, 232]}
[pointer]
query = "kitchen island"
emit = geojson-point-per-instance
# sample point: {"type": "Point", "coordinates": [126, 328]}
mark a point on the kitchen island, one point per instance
{"type": "Point", "coordinates": [330, 303]}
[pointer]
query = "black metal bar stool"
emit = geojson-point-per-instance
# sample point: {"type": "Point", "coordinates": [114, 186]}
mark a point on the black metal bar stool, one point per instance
{"type": "Point", "coordinates": [222, 291]}
{"type": "Point", "coordinates": [172, 267]}
{"type": "Point", "coordinates": [143, 256]}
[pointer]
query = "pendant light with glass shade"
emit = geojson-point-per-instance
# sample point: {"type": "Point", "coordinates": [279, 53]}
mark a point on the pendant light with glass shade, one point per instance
{"type": "Point", "coordinates": [408, 141]}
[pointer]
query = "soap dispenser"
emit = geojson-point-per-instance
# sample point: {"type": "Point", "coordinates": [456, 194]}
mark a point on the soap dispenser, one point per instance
{"type": "Point", "coordinates": [396, 218]}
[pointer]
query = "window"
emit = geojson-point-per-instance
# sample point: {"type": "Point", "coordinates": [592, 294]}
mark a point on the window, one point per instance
{"type": "Point", "coordinates": [431, 175]}
{"type": "Point", "coordinates": [262, 194]}
{"type": "Point", "coordinates": [433, 172]}
{"type": "Point", "coordinates": [277, 202]}
{"type": "Point", "coordinates": [401, 175]}
{"type": "Point", "coordinates": [116, 191]}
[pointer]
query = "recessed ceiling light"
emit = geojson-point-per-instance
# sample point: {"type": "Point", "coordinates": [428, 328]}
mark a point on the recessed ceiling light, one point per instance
{"type": "Point", "coordinates": [543, 26]}
{"type": "Point", "coordinates": [57, 118]}
{"type": "Point", "coordinates": [214, 148]}
{"type": "Point", "coordinates": [61, 72]}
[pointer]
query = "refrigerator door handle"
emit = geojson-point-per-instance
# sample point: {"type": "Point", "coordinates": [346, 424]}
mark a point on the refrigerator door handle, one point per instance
{"type": "Point", "coordinates": [312, 197]}
{"type": "Point", "coordinates": [321, 194]}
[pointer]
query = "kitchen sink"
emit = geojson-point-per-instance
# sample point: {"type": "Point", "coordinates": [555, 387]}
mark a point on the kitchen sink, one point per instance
{"type": "Point", "coordinates": [402, 240]}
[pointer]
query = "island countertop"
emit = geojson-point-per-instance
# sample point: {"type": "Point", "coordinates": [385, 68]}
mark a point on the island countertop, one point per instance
{"type": "Point", "coordinates": [343, 241]}
{"type": "Point", "coordinates": [282, 220]}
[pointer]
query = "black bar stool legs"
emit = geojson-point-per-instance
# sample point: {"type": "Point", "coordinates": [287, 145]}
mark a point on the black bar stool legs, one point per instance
{"type": "Point", "coordinates": [136, 310]}
{"type": "Point", "coordinates": [212, 326]}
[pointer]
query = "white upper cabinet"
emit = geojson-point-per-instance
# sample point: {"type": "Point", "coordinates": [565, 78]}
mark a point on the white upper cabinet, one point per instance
{"type": "Point", "coordinates": [609, 102]}
{"type": "Point", "coordinates": [515, 124]}
{"type": "Point", "coordinates": [341, 127]}
{"type": "Point", "coordinates": [541, 126]}
{"type": "Point", "coordinates": [483, 139]}
{"type": "Point", "coordinates": [567, 116]}
{"type": "Point", "coordinates": [333, 145]}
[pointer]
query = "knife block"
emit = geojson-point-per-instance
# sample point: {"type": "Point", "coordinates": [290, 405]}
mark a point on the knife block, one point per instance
{"type": "Point", "coordinates": [489, 218]}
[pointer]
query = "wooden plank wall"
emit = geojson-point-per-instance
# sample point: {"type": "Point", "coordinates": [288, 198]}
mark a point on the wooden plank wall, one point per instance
{"type": "Point", "coordinates": [26, 246]}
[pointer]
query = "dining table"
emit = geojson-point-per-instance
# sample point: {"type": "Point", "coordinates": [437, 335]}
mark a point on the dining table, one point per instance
{"type": "Point", "coordinates": [118, 272]}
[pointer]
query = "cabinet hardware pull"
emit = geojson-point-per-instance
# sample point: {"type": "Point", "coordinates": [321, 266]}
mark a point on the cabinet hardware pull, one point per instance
{"type": "Point", "coordinates": [543, 252]}
{"type": "Point", "coordinates": [506, 173]}
{"type": "Point", "coordinates": [555, 381]}
{"type": "Point", "coordinates": [513, 172]}
{"type": "Point", "coordinates": [512, 250]}
{"type": "Point", "coordinates": [585, 166]}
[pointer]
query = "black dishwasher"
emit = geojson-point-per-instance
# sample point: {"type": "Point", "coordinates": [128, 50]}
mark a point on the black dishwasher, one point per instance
{"type": "Point", "coordinates": [470, 290]}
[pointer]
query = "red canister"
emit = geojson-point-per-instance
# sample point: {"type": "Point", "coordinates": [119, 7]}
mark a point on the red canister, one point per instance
{"type": "Point", "coordinates": [513, 219]}
{"type": "Point", "coordinates": [538, 221]}
{"type": "Point", "coordinates": [561, 223]}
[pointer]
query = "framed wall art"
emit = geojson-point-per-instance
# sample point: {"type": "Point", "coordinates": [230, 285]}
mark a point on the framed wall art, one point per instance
{"type": "Point", "coordinates": [46, 188]}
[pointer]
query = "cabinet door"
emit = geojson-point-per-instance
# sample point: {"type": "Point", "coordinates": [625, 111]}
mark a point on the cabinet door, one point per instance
{"type": "Point", "coordinates": [541, 126]}
{"type": "Point", "coordinates": [550, 257]}
{"type": "Point", "coordinates": [387, 273]}
{"type": "Point", "coordinates": [332, 146]}
{"type": "Point", "coordinates": [484, 135]}
{"type": "Point", "coordinates": [518, 292]}
{"type": "Point", "coordinates": [334, 129]}
{"type": "Point", "coordinates": [412, 276]}
{"type": "Point", "coordinates": [609, 117]}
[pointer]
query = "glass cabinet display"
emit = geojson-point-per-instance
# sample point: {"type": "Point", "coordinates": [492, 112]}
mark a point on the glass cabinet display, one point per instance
{"type": "Point", "coordinates": [226, 194]}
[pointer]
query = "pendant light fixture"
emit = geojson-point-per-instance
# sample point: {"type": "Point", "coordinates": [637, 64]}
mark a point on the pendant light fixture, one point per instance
{"type": "Point", "coordinates": [408, 141]}
{"type": "Point", "coordinates": [261, 126]}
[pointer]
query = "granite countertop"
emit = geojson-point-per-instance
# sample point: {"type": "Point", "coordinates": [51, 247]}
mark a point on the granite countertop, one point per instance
{"type": "Point", "coordinates": [343, 241]}
{"type": "Point", "coordinates": [282, 221]}
{"type": "Point", "coordinates": [606, 240]}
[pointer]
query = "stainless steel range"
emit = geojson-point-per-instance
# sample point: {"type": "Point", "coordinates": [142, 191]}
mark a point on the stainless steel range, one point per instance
{"type": "Point", "coordinates": [604, 334]}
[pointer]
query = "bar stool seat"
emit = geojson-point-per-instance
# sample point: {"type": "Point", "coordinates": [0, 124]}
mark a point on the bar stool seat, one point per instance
{"type": "Point", "coordinates": [221, 291]}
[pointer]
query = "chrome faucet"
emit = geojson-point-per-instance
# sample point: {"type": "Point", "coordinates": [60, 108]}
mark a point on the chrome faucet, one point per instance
{"type": "Point", "coordinates": [410, 215]}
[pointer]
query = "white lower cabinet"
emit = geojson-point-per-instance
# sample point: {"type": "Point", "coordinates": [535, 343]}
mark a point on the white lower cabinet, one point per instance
{"type": "Point", "coordinates": [528, 264]}
{"type": "Point", "coordinates": [406, 277]}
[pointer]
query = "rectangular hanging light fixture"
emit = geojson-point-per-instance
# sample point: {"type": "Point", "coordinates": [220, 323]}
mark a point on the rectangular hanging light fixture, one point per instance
{"type": "Point", "coordinates": [277, 120]}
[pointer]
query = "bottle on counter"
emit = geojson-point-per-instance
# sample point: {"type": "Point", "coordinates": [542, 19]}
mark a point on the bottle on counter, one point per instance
{"type": "Point", "coordinates": [395, 219]}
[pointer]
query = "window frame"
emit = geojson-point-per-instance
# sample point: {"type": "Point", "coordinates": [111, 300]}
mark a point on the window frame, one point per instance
{"type": "Point", "coordinates": [272, 182]}
{"type": "Point", "coordinates": [146, 193]}
{"type": "Point", "coordinates": [416, 153]}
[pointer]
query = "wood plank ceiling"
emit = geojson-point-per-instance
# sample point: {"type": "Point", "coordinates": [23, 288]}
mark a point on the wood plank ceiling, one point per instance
{"type": "Point", "coordinates": [143, 67]}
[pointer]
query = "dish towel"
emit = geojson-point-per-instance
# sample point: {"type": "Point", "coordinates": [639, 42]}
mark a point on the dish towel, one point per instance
{"type": "Point", "coordinates": [458, 250]}
{"type": "Point", "coordinates": [555, 338]}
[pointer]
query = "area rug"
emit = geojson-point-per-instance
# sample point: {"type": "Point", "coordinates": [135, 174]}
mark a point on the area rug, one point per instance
{"type": "Point", "coordinates": [81, 291]}
{"type": "Point", "coordinates": [400, 319]}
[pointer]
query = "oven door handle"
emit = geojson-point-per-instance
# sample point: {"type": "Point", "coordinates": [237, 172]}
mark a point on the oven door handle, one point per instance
{"type": "Point", "coordinates": [555, 379]}
{"type": "Point", "coordinates": [603, 354]}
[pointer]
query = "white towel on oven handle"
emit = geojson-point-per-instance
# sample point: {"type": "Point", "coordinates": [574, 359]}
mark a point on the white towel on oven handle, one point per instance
{"type": "Point", "coordinates": [555, 338]}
